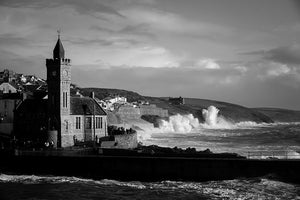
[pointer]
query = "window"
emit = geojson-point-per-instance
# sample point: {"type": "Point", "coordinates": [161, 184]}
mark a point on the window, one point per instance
{"type": "Point", "coordinates": [67, 125]}
{"type": "Point", "coordinates": [65, 99]}
{"type": "Point", "coordinates": [99, 122]}
{"type": "Point", "coordinates": [88, 122]}
{"type": "Point", "coordinates": [78, 123]}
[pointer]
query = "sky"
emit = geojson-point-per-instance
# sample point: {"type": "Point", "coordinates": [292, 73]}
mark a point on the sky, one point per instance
{"type": "Point", "coordinates": [239, 51]}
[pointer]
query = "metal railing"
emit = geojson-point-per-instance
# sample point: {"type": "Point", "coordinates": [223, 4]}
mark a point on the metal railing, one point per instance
{"type": "Point", "coordinates": [274, 154]}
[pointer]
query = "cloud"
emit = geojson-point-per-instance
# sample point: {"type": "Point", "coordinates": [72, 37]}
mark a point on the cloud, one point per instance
{"type": "Point", "coordinates": [80, 6]}
{"type": "Point", "coordinates": [142, 30]}
{"type": "Point", "coordinates": [21, 64]}
{"type": "Point", "coordinates": [208, 63]}
{"type": "Point", "coordinates": [241, 69]}
{"type": "Point", "coordinates": [119, 42]}
{"type": "Point", "coordinates": [173, 23]}
{"type": "Point", "coordinates": [278, 70]}
{"type": "Point", "coordinates": [285, 54]}
{"type": "Point", "coordinates": [9, 40]}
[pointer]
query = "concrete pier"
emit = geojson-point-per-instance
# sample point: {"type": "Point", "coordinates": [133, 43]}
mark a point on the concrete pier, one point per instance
{"type": "Point", "coordinates": [143, 168]}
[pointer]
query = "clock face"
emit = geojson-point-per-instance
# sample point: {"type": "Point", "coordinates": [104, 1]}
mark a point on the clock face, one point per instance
{"type": "Point", "coordinates": [65, 73]}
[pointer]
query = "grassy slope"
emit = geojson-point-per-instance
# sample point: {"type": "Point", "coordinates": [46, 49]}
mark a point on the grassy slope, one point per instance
{"type": "Point", "coordinates": [280, 115]}
{"type": "Point", "coordinates": [233, 112]}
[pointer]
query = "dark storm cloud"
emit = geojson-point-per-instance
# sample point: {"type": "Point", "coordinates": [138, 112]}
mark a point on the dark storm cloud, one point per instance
{"type": "Point", "coordinates": [82, 7]}
{"type": "Point", "coordinates": [102, 29]}
{"type": "Point", "coordinates": [104, 42]}
{"type": "Point", "coordinates": [139, 30]}
{"type": "Point", "coordinates": [20, 64]}
{"type": "Point", "coordinates": [10, 39]}
{"type": "Point", "coordinates": [284, 55]}
{"type": "Point", "coordinates": [297, 5]}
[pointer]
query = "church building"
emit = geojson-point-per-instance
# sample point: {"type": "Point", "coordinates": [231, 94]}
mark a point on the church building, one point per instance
{"type": "Point", "coordinates": [67, 118]}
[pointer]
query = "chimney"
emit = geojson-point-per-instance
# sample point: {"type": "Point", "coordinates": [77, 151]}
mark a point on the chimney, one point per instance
{"type": "Point", "coordinates": [92, 95]}
{"type": "Point", "coordinates": [78, 93]}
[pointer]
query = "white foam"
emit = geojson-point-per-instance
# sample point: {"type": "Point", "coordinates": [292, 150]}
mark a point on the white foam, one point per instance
{"type": "Point", "coordinates": [179, 124]}
{"type": "Point", "coordinates": [34, 179]}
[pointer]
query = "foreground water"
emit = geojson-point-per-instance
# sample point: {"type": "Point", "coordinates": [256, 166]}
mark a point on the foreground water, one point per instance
{"type": "Point", "coordinates": [282, 138]}
{"type": "Point", "coordinates": [49, 187]}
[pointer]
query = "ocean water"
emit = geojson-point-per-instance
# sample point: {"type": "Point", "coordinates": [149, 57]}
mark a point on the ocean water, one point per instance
{"type": "Point", "coordinates": [56, 188]}
{"type": "Point", "coordinates": [281, 140]}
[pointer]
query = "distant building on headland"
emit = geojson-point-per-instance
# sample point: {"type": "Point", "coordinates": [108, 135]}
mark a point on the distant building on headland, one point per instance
{"type": "Point", "coordinates": [176, 101]}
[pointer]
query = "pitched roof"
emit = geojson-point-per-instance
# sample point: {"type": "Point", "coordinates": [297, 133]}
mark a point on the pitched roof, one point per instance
{"type": "Point", "coordinates": [11, 84]}
{"type": "Point", "coordinates": [85, 106]}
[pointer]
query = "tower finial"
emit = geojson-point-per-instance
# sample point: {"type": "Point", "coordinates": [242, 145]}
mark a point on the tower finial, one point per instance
{"type": "Point", "coordinates": [58, 33]}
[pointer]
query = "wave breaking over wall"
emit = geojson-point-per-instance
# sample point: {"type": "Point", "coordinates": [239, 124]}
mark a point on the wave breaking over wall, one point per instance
{"type": "Point", "coordinates": [212, 120]}
{"type": "Point", "coordinates": [188, 123]}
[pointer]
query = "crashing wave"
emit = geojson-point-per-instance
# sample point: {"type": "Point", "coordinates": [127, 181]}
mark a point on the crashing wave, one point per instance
{"type": "Point", "coordinates": [212, 120]}
{"type": "Point", "coordinates": [179, 124]}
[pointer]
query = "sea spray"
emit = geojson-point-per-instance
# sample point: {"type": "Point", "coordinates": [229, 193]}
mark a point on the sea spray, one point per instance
{"type": "Point", "coordinates": [179, 124]}
{"type": "Point", "coordinates": [212, 119]}
{"type": "Point", "coordinates": [188, 123]}
{"type": "Point", "coordinates": [210, 115]}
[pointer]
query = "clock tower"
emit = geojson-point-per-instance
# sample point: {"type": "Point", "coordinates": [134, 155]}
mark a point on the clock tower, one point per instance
{"type": "Point", "coordinates": [59, 80]}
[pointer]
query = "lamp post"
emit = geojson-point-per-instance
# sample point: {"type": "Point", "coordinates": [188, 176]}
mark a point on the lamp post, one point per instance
{"type": "Point", "coordinates": [94, 124]}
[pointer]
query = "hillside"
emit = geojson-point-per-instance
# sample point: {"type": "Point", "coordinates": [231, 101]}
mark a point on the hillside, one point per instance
{"type": "Point", "coordinates": [231, 112]}
{"type": "Point", "coordinates": [101, 93]}
{"type": "Point", "coordinates": [280, 115]}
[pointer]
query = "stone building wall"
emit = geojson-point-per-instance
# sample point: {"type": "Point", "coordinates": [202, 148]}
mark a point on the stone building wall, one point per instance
{"type": "Point", "coordinates": [153, 110]}
{"type": "Point", "coordinates": [130, 112]}
{"type": "Point", "coordinates": [82, 134]}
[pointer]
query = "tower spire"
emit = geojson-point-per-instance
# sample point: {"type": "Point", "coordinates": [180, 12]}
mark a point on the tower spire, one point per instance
{"type": "Point", "coordinates": [58, 51]}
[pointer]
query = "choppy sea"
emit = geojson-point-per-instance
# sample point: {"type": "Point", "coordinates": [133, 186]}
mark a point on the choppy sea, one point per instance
{"type": "Point", "coordinates": [281, 140]}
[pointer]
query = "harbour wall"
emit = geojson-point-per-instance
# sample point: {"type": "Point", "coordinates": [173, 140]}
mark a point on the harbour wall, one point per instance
{"type": "Point", "coordinates": [151, 168]}
{"type": "Point", "coordinates": [127, 111]}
